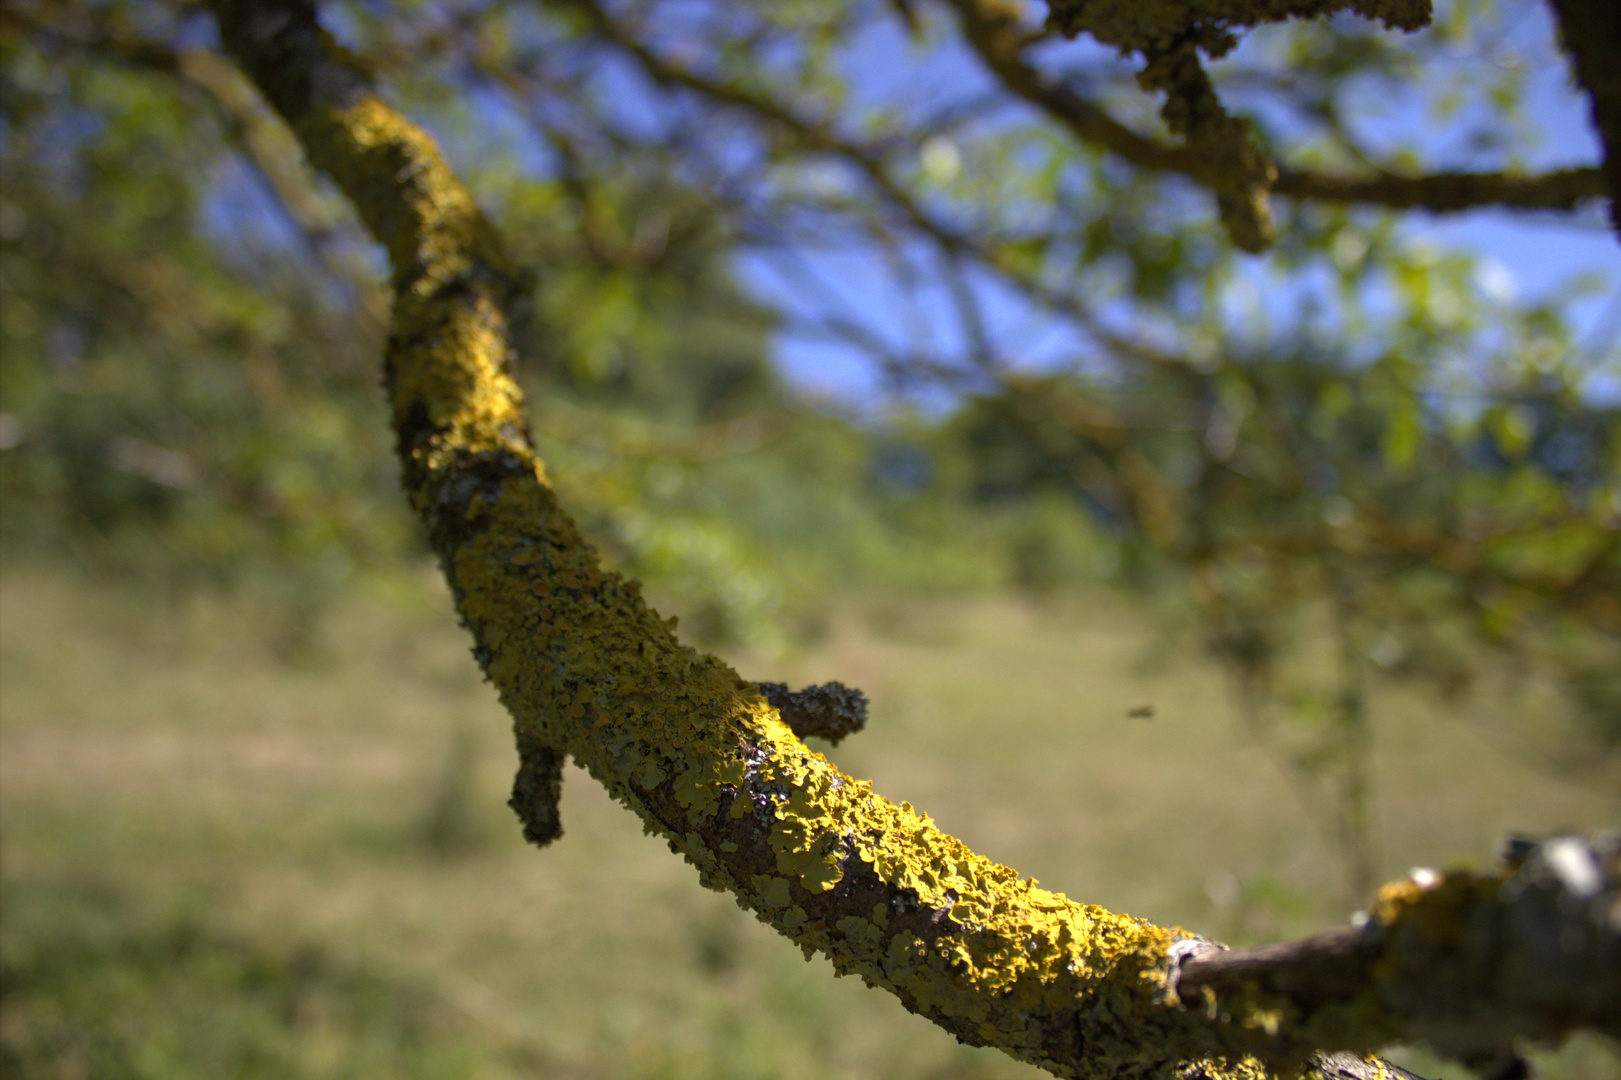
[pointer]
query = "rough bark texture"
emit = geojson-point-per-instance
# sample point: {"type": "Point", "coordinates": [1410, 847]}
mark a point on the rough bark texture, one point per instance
{"type": "Point", "coordinates": [586, 669]}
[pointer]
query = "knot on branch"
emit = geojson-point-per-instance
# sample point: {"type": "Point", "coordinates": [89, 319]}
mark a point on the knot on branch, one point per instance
{"type": "Point", "coordinates": [831, 710]}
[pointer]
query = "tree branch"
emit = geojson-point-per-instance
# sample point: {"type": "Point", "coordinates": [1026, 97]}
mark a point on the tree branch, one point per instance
{"type": "Point", "coordinates": [1155, 26]}
{"type": "Point", "coordinates": [867, 159]}
{"type": "Point", "coordinates": [247, 124]}
{"type": "Point", "coordinates": [1590, 30]}
{"type": "Point", "coordinates": [994, 33]}
{"type": "Point", "coordinates": [1562, 189]}
{"type": "Point", "coordinates": [1477, 959]}
{"type": "Point", "coordinates": [830, 711]}
{"type": "Point", "coordinates": [587, 669]}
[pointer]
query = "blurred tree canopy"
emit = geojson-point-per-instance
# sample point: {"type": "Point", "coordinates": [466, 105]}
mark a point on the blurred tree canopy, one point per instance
{"type": "Point", "coordinates": [1139, 308]}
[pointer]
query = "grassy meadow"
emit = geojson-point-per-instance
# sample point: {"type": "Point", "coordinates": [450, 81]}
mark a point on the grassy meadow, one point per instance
{"type": "Point", "coordinates": [219, 861]}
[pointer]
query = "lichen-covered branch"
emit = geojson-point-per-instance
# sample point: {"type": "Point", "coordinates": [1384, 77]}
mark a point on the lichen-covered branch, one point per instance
{"type": "Point", "coordinates": [1465, 962]}
{"type": "Point", "coordinates": [830, 711]}
{"type": "Point", "coordinates": [588, 670]}
{"type": "Point", "coordinates": [1241, 172]}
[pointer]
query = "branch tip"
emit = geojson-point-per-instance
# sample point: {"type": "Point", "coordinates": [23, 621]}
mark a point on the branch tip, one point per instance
{"type": "Point", "coordinates": [831, 710]}
{"type": "Point", "coordinates": [536, 790]}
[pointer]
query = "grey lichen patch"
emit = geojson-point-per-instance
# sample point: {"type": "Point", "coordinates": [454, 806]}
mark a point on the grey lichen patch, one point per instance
{"type": "Point", "coordinates": [1348, 1066]}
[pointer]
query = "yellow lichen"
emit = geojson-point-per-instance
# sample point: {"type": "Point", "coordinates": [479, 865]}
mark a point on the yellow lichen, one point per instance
{"type": "Point", "coordinates": [1438, 905]}
{"type": "Point", "coordinates": [587, 669]}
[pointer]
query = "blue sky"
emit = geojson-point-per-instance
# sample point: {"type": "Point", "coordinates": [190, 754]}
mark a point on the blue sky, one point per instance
{"type": "Point", "coordinates": [1523, 257]}
{"type": "Point", "coordinates": [1526, 257]}
{"type": "Point", "coordinates": [1542, 251]}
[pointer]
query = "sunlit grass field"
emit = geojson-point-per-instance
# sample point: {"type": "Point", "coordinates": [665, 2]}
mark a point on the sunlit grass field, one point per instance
{"type": "Point", "coordinates": [218, 862]}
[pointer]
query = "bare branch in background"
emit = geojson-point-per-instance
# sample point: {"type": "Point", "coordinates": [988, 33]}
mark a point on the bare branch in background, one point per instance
{"type": "Point", "coordinates": [251, 128]}
{"type": "Point", "coordinates": [995, 34]}
{"type": "Point", "coordinates": [1590, 31]}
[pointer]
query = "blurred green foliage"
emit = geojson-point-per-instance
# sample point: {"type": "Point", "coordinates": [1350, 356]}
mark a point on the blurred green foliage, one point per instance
{"type": "Point", "coordinates": [1357, 459]}
{"type": "Point", "coordinates": [178, 399]}
{"type": "Point", "coordinates": [190, 384]}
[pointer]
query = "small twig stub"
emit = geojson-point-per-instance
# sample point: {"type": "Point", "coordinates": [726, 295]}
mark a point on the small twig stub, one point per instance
{"type": "Point", "coordinates": [830, 711]}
